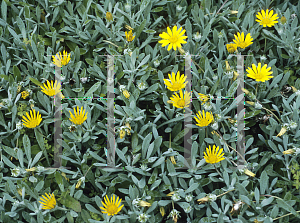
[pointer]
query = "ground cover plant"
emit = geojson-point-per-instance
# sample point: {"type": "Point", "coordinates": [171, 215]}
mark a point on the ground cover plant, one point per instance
{"type": "Point", "coordinates": [150, 178]}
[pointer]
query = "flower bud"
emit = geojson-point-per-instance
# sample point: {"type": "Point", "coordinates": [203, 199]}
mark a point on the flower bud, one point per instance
{"type": "Point", "coordinates": [162, 211]}
{"type": "Point", "coordinates": [282, 131]}
{"type": "Point", "coordinates": [283, 20]}
{"type": "Point", "coordinates": [289, 151]}
{"type": "Point", "coordinates": [181, 51]}
{"type": "Point", "coordinates": [227, 66]}
{"type": "Point", "coordinates": [126, 93]}
{"type": "Point", "coordinates": [109, 16]}
{"type": "Point", "coordinates": [249, 173]}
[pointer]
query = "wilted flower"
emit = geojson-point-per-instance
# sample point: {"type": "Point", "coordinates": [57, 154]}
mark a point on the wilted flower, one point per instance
{"type": "Point", "coordinates": [289, 151]}
{"type": "Point", "coordinates": [80, 181]}
{"type": "Point", "coordinates": [228, 68]}
{"type": "Point", "coordinates": [128, 128]}
{"type": "Point", "coordinates": [203, 200]}
{"type": "Point", "coordinates": [162, 211]}
{"type": "Point", "coordinates": [231, 47]}
{"type": "Point", "coordinates": [249, 173]}
{"type": "Point", "coordinates": [122, 87]}
{"type": "Point", "coordinates": [283, 130]}
{"type": "Point", "coordinates": [173, 159]}
{"type": "Point", "coordinates": [263, 57]}
{"type": "Point", "coordinates": [129, 36]}
{"type": "Point", "coordinates": [176, 196]}
{"type": "Point", "coordinates": [136, 202]}
{"type": "Point", "coordinates": [229, 74]}
{"type": "Point", "coordinates": [207, 106]}
{"type": "Point", "coordinates": [144, 204]}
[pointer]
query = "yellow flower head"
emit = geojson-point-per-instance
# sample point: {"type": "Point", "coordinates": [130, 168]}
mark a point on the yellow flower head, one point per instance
{"type": "Point", "coordinates": [49, 202]}
{"type": "Point", "coordinates": [60, 60]}
{"type": "Point", "coordinates": [126, 93]}
{"type": "Point", "coordinates": [213, 156]}
{"type": "Point", "coordinates": [112, 206]}
{"type": "Point", "coordinates": [266, 18]}
{"type": "Point", "coordinates": [231, 47]}
{"type": "Point", "coordinates": [174, 38]}
{"type": "Point", "coordinates": [204, 98]}
{"type": "Point", "coordinates": [249, 173]}
{"type": "Point", "coordinates": [259, 73]}
{"type": "Point", "coordinates": [79, 117]}
{"type": "Point", "coordinates": [182, 101]}
{"type": "Point", "coordinates": [203, 120]}
{"type": "Point", "coordinates": [122, 133]}
{"type": "Point", "coordinates": [176, 83]}
{"type": "Point", "coordinates": [109, 16]}
{"type": "Point", "coordinates": [24, 94]}
{"type": "Point", "coordinates": [32, 120]}
{"type": "Point", "coordinates": [129, 36]}
{"type": "Point", "coordinates": [241, 41]}
{"type": "Point", "coordinates": [51, 90]}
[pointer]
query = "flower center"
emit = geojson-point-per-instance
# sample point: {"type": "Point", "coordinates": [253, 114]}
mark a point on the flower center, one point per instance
{"type": "Point", "coordinates": [177, 86]}
{"type": "Point", "coordinates": [266, 21]}
{"type": "Point", "coordinates": [243, 45]}
{"type": "Point", "coordinates": [112, 209]}
{"type": "Point", "coordinates": [181, 103]}
{"type": "Point", "coordinates": [173, 39]}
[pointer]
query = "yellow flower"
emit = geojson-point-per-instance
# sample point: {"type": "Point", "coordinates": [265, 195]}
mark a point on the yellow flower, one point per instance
{"type": "Point", "coordinates": [162, 211]}
{"type": "Point", "coordinates": [266, 18]}
{"type": "Point", "coordinates": [49, 202]}
{"type": "Point", "coordinates": [32, 120]}
{"type": "Point", "coordinates": [129, 36]}
{"type": "Point", "coordinates": [144, 204]}
{"type": "Point", "coordinates": [176, 83]}
{"type": "Point", "coordinates": [51, 90]}
{"type": "Point", "coordinates": [259, 73]}
{"type": "Point", "coordinates": [61, 60]}
{"type": "Point", "coordinates": [227, 66]}
{"type": "Point", "coordinates": [129, 128]}
{"type": "Point", "coordinates": [289, 151]}
{"type": "Point", "coordinates": [204, 120]}
{"type": "Point", "coordinates": [235, 75]}
{"type": "Point", "coordinates": [126, 93]}
{"type": "Point", "coordinates": [203, 200]}
{"type": "Point", "coordinates": [203, 98]}
{"type": "Point", "coordinates": [282, 131]}
{"type": "Point", "coordinates": [172, 158]}
{"type": "Point", "coordinates": [213, 156]}
{"type": "Point", "coordinates": [249, 173]}
{"type": "Point", "coordinates": [231, 47]}
{"type": "Point", "coordinates": [122, 133]}
{"type": "Point", "coordinates": [111, 207]}
{"type": "Point", "coordinates": [241, 42]}
{"type": "Point", "coordinates": [24, 94]}
{"type": "Point", "coordinates": [182, 101]}
{"type": "Point", "coordinates": [174, 38]}
{"type": "Point", "coordinates": [109, 16]}
{"type": "Point", "coordinates": [283, 20]}
{"type": "Point", "coordinates": [79, 117]}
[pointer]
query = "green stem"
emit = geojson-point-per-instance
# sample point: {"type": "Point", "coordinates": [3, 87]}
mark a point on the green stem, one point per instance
{"type": "Point", "coordinates": [265, 45]}
{"type": "Point", "coordinates": [217, 171]}
{"type": "Point", "coordinates": [88, 170]}
{"type": "Point", "coordinates": [170, 141]}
